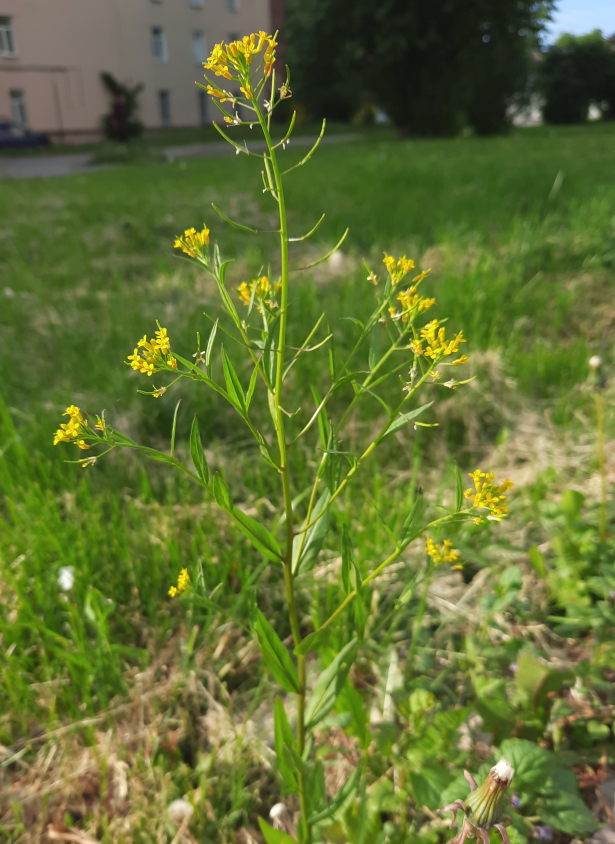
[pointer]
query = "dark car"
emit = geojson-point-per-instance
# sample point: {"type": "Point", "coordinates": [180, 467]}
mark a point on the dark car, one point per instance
{"type": "Point", "coordinates": [12, 137]}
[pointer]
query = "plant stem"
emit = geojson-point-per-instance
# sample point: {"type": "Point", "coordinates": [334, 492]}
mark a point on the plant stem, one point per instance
{"type": "Point", "coordinates": [284, 469]}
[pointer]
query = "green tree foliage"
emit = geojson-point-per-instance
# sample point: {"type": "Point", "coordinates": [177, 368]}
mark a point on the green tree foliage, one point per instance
{"type": "Point", "coordinates": [578, 70]}
{"type": "Point", "coordinates": [432, 65]}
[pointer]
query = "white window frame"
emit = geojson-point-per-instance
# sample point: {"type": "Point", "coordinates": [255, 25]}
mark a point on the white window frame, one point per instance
{"type": "Point", "coordinates": [199, 46]}
{"type": "Point", "coordinates": [8, 46]}
{"type": "Point", "coordinates": [19, 110]}
{"type": "Point", "coordinates": [159, 37]}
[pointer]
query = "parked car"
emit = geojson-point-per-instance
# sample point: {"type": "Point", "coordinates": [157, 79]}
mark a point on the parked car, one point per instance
{"type": "Point", "coordinates": [13, 137]}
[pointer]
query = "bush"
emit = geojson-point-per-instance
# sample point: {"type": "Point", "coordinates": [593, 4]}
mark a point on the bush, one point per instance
{"type": "Point", "coordinates": [575, 73]}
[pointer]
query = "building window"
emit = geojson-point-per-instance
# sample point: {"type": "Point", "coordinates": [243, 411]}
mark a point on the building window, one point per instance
{"type": "Point", "coordinates": [232, 5]}
{"type": "Point", "coordinates": [7, 37]}
{"type": "Point", "coordinates": [199, 46]}
{"type": "Point", "coordinates": [233, 36]}
{"type": "Point", "coordinates": [203, 107]}
{"type": "Point", "coordinates": [164, 103]}
{"type": "Point", "coordinates": [19, 114]}
{"type": "Point", "coordinates": [159, 44]}
{"type": "Point", "coordinates": [196, 3]}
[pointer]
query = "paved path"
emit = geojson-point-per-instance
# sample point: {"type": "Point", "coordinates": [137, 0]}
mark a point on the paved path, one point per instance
{"type": "Point", "coordinates": [64, 165]}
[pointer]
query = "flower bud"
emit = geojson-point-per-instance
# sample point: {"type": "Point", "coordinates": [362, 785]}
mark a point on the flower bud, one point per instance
{"type": "Point", "coordinates": [483, 807]}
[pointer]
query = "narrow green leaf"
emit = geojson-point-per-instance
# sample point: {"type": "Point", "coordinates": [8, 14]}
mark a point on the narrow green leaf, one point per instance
{"type": "Point", "coordinates": [404, 418]}
{"type": "Point", "coordinates": [221, 494]}
{"type": "Point", "coordinates": [275, 836]}
{"type": "Point", "coordinates": [458, 489]}
{"type": "Point", "coordinates": [310, 643]}
{"type": "Point", "coordinates": [284, 735]}
{"type": "Point", "coordinates": [344, 794]}
{"type": "Point", "coordinates": [323, 422]}
{"type": "Point", "coordinates": [233, 384]}
{"type": "Point", "coordinates": [412, 526]}
{"type": "Point", "coordinates": [346, 558]}
{"type": "Point", "coordinates": [258, 535]}
{"type": "Point", "coordinates": [314, 537]}
{"type": "Point", "coordinates": [174, 431]}
{"type": "Point", "coordinates": [251, 387]}
{"type": "Point", "coordinates": [210, 345]}
{"type": "Point", "coordinates": [296, 761]}
{"type": "Point", "coordinates": [331, 353]}
{"type": "Point", "coordinates": [329, 684]}
{"type": "Point", "coordinates": [197, 453]}
{"type": "Point", "coordinates": [333, 466]}
{"type": "Point", "coordinates": [222, 271]}
{"type": "Point", "coordinates": [275, 655]}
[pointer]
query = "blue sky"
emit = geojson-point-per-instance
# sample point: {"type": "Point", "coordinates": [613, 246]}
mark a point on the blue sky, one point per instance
{"type": "Point", "coordinates": [581, 16]}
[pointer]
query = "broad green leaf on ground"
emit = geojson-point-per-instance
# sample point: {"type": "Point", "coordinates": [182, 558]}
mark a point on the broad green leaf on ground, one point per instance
{"type": "Point", "coordinates": [531, 763]}
{"type": "Point", "coordinates": [428, 785]}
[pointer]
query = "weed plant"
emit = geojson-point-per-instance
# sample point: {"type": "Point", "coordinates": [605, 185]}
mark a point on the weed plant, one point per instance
{"type": "Point", "coordinates": [524, 269]}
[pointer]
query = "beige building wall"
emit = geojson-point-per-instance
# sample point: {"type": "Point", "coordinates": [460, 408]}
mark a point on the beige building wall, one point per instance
{"type": "Point", "coordinates": [61, 47]}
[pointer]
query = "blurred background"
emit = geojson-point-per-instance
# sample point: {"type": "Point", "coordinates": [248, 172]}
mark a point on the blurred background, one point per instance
{"type": "Point", "coordinates": [478, 138]}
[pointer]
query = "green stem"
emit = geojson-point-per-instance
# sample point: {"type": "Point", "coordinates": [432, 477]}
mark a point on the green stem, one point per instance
{"type": "Point", "coordinates": [284, 469]}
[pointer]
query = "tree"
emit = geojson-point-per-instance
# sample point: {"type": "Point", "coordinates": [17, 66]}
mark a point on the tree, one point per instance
{"type": "Point", "coordinates": [578, 70]}
{"type": "Point", "coordinates": [433, 65]}
{"type": "Point", "coordinates": [122, 123]}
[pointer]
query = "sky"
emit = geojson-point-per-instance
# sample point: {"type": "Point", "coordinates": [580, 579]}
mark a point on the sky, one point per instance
{"type": "Point", "coordinates": [580, 16]}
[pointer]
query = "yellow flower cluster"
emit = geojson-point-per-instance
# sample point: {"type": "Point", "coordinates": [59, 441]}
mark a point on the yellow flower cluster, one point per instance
{"type": "Point", "coordinates": [192, 242]}
{"type": "Point", "coordinates": [489, 495]}
{"type": "Point", "coordinates": [262, 290]}
{"type": "Point", "coordinates": [438, 346]}
{"type": "Point", "coordinates": [412, 303]}
{"type": "Point", "coordinates": [150, 356]}
{"type": "Point", "coordinates": [444, 553]}
{"type": "Point", "coordinates": [239, 55]}
{"type": "Point", "coordinates": [73, 429]}
{"type": "Point", "coordinates": [183, 582]}
{"type": "Point", "coordinates": [397, 270]}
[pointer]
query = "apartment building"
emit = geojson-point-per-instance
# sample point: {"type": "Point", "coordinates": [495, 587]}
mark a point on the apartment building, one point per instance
{"type": "Point", "coordinates": [52, 53]}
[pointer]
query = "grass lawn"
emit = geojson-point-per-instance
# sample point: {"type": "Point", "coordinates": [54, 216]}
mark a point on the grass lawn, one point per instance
{"type": "Point", "coordinates": [519, 233]}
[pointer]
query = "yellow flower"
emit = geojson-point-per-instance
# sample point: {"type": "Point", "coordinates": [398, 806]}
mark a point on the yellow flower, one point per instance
{"type": "Point", "coordinates": [193, 242]}
{"type": "Point", "coordinates": [73, 429]}
{"type": "Point", "coordinates": [444, 553]}
{"type": "Point", "coordinates": [183, 582]}
{"type": "Point", "coordinates": [239, 55]}
{"type": "Point", "coordinates": [459, 361]}
{"type": "Point", "coordinates": [413, 303]}
{"type": "Point", "coordinates": [373, 278]}
{"type": "Point", "coordinates": [262, 289]}
{"type": "Point", "coordinates": [438, 346]}
{"type": "Point", "coordinates": [489, 495]}
{"type": "Point", "coordinates": [397, 269]}
{"type": "Point", "coordinates": [151, 356]}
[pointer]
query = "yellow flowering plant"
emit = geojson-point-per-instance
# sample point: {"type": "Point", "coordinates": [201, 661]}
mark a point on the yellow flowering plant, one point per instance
{"type": "Point", "coordinates": [256, 317]}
